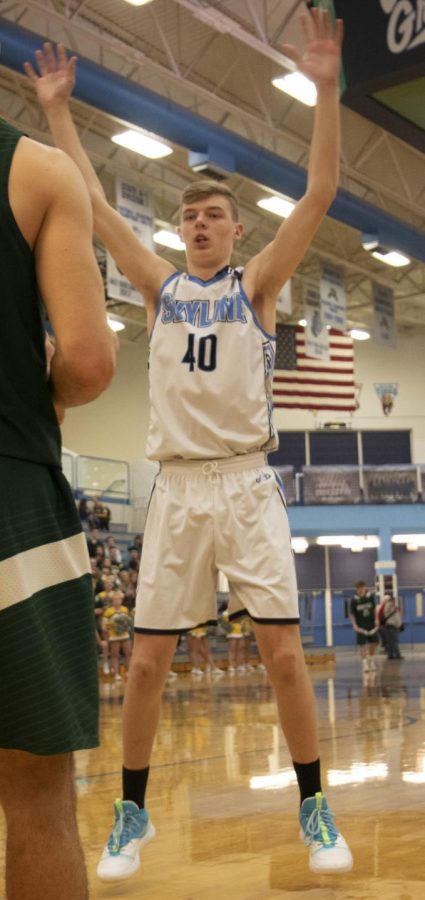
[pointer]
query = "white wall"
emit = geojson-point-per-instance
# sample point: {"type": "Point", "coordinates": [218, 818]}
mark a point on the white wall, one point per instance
{"type": "Point", "coordinates": [115, 425]}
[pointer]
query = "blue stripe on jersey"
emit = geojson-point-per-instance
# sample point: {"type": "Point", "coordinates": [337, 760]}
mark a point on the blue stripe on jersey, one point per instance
{"type": "Point", "coordinates": [167, 281]}
{"type": "Point", "coordinates": [218, 277]}
{"type": "Point", "coordinates": [246, 300]}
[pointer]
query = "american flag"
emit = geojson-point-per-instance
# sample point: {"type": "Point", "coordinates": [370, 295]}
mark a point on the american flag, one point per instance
{"type": "Point", "coordinates": [301, 382]}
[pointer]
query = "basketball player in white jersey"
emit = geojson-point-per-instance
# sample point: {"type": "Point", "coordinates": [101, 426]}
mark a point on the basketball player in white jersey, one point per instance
{"type": "Point", "coordinates": [216, 503]}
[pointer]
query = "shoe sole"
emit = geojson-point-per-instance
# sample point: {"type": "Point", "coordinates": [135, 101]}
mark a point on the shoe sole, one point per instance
{"type": "Point", "coordinates": [150, 834]}
{"type": "Point", "coordinates": [331, 871]}
{"type": "Point", "coordinates": [335, 871]}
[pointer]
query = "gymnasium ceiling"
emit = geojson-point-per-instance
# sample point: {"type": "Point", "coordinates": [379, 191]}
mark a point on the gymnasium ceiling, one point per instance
{"type": "Point", "coordinates": [218, 59]}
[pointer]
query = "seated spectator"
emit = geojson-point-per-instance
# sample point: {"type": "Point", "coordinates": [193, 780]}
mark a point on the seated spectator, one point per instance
{"type": "Point", "coordinates": [85, 511]}
{"type": "Point", "coordinates": [118, 623]}
{"type": "Point", "coordinates": [93, 542]}
{"type": "Point", "coordinates": [112, 551]}
{"type": "Point", "coordinates": [102, 514]}
{"type": "Point", "coordinates": [100, 555]}
{"type": "Point", "coordinates": [106, 592]}
{"type": "Point", "coordinates": [133, 563]}
{"type": "Point", "coordinates": [128, 584]}
{"type": "Point", "coordinates": [136, 544]}
{"type": "Point", "coordinates": [97, 583]}
{"type": "Point", "coordinates": [114, 558]}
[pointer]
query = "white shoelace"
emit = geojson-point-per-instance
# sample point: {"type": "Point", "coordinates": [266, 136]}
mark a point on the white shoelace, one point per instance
{"type": "Point", "coordinates": [320, 827]}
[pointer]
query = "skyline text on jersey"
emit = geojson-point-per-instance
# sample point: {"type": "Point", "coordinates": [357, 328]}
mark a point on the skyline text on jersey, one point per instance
{"type": "Point", "coordinates": [199, 312]}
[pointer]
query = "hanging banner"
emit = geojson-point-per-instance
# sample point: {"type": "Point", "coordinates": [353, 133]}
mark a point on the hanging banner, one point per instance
{"type": "Point", "coordinates": [331, 484]}
{"type": "Point", "coordinates": [284, 300]}
{"type": "Point", "coordinates": [316, 334]}
{"type": "Point", "coordinates": [332, 296]}
{"type": "Point", "coordinates": [134, 205]}
{"type": "Point", "coordinates": [386, 393]}
{"type": "Point", "coordinates": [390, 484]}
{"type": "Point", "coordinates": [383, 308]}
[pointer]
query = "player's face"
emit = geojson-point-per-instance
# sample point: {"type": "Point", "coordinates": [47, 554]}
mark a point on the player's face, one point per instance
{"type": "Point", "coordinates": [209, 231]}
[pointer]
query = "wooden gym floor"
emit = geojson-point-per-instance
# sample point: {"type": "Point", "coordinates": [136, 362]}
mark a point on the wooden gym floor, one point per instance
{"type": "Point", "coordinates": [223, 798]}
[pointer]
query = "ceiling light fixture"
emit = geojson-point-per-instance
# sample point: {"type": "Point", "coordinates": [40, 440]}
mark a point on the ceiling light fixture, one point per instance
{"type": "Point", "coordinates": [359, 334]}
{"type": "Point", "coordinates": [417, 539]}
{"type": "Point", "coordinates": [297, 86]}
{"type": "Point", "coordinates": [169, 239]}
{"type": "Point", "coordinates": [372, 243]}
{"type": "Point", "coordinates": [392, 258]}
{"type": "Point", "coordinates": [279, 206]}
{"type": "Point", "coordinates": [138, 2]}
{"type": "Point", "coordinates": [145, 143]}
{"type": "Point", "coordinates": [299, 544]}
{"type": "Point", "coordinates": [115, 324]}
{"type": "Point", "coordinates": [353, 542]}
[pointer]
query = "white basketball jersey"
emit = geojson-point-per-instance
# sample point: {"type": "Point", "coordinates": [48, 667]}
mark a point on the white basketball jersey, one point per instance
{"type": "Point", "coordinates": [210, 371]}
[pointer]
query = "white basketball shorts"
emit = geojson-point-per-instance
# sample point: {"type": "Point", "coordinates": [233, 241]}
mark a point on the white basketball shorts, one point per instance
{"type": "Point", "coordinates": [227, 515]}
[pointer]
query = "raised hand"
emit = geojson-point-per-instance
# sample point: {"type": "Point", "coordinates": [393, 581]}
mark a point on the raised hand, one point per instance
{"type": "Point", "coordinates": [321, 58]}
{"type": "Point", "coordinates": [55, 80]}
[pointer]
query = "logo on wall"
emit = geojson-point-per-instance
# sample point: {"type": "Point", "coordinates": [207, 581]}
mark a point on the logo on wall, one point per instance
{"type": "Point", "coordinates": [387, 393]}
{"type": "Point", "coordinates": [406, 25]}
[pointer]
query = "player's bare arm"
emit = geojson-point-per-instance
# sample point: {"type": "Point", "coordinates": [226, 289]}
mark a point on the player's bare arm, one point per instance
{"type": "Point", "coordinates": [54, 82]}
{"type": "Point", "coordinates": [58, 228]}
{"type": "Point", "coordinates": [266, 273]}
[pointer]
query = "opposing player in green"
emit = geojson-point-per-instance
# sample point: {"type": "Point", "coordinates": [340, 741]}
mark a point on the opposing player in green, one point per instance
{"type": "Point", "coordinates": [216, 502]}
{"type": "Point", "coordinates": [49, 681]}
{"type": "Point", "coordinates": [363, 619]}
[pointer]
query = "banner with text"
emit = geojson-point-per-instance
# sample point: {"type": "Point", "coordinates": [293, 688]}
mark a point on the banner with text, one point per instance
{"type": "Point", "coordinates": [390, 484]}
{"type": "Point", "coordinates": [331, 485]}
{"type": "Point", "coordinates": [383, 311]}
{"type": "Point", "coordinates": [332, 296]}
{"type": "Point", "coordinates": [316, 338]}
{"type": "Point", "coordinates": [134, 204]}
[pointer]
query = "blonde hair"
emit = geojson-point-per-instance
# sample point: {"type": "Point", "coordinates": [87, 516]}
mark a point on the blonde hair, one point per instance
{"type": "Point", "coordinates": [201, 190]}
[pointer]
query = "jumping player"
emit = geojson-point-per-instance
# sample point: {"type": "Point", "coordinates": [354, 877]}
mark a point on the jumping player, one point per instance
{"type": "Point", "coordinates": [216, 503]}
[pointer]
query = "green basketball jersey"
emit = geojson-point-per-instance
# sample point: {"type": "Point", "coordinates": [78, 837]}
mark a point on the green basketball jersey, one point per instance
{"type": "Point", "coordinates": [363, 610]}
{"type": "Point", "coordinates": [28, 426]}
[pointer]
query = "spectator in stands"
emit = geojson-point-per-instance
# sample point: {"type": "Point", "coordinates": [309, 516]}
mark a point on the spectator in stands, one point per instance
{"type": "Point", "coordinates": [128, 584]}
{"type": "Point", "coordinates": [363, 619]}
{"type": "Point", "coordinates": [93, 542]}
{"type": "Point", "coordinates": [84, 513]}
{"type": "Point", "coordinates": [100, 555]}
{"type": "Point", "coordinates": [102, 514]}
{"type": "Point", "coordinates": [136, 544]}
{"type": "Point", "coordinates": [112, 550]}
{"type": "Point", "coordinates": [115, 559]}
{"type": "Point", "coordinates": [96, 577]}
{"type": "Point", "coordinates": [133, 563]}
{"type": "Point", "coordinates": [108, 587]}
{"type": "Point", "coordinates": [118, 623]}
